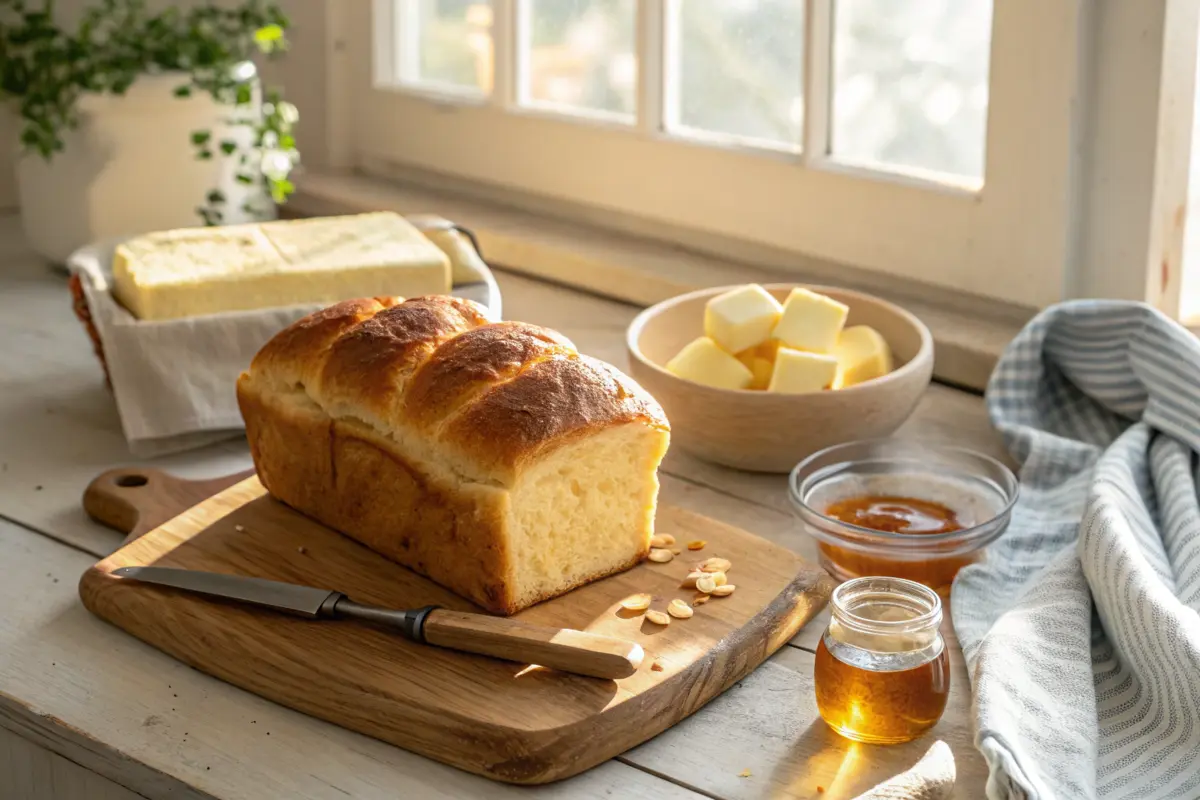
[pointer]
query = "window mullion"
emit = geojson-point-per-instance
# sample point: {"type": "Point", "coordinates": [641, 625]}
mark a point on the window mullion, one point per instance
{"type": "Point", "coordinates": [651, 27]}
{"type": "Point", "coordinates": [817, 79]}
{"type": "Point", "coordinates": [406, 25]}
{"type": "Point", "coordinates": [506, 28]}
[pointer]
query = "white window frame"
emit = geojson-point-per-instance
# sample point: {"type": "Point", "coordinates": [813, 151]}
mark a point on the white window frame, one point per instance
{"type": "Point", "coordinates": [1043, 227]}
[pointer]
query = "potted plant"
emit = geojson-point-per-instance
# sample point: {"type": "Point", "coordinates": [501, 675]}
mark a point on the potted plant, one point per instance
{"type": "Point", "coordinates": [135, 120]}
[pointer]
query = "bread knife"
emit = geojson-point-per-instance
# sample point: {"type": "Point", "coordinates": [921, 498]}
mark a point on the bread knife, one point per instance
{"type": "Point", "coordinates": [577, 652]}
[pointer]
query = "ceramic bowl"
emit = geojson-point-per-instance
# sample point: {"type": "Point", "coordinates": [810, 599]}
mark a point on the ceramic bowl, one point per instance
{"type": "Point", "coordinates": [764, 431]}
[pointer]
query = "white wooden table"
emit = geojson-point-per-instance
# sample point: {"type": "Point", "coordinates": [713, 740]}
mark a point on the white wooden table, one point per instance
{"type": "Point", "coordinates": [87, 711]}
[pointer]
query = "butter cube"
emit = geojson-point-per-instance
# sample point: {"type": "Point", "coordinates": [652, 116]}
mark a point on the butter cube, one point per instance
{"type": "Point", "coordinates": [760, 367]}
{"type": "Point", "coordinates": [703, 361]}
{"type": "Point", "coordinates": [797, 372]}
{"type": "Point", "coordinates": [741, 318]}
{"type": "Point", "coordinates": [768, 349]}
{"type": "Point", "coordinates": [810, 321]}
{"type": "Point", "coordinates": [862, 354]}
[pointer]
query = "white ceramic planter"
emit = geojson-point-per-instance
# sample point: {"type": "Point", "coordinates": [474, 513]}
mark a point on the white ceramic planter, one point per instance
{"type": "Point", "coordinates": [131, 168]}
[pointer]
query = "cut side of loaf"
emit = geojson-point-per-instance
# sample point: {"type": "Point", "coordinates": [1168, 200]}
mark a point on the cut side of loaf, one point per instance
{"type": "Point", "coordinates": [491, 457]}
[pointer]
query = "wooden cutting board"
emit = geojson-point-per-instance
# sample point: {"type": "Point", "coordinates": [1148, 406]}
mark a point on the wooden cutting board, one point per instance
{"type": "Point", "coordinates": [495, 718]}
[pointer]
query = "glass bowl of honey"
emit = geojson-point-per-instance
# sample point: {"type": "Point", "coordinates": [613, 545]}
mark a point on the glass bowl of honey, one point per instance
{"type": "Point", "coordinates": [902, 509]}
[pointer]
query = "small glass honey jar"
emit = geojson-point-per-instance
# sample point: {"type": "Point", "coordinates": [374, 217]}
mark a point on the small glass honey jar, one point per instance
{"type": "Point", "coordinates": [882, 673]}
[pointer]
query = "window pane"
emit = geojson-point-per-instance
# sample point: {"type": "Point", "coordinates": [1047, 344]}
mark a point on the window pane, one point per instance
{"type": "Point", "coordinates": [454, 43]}
{"type": "Point", "coordinates": [581, 54]}
{"type": "Point", "coordinates": [737, 68]}
{"type": "Point", "coordinates": [911, 83]}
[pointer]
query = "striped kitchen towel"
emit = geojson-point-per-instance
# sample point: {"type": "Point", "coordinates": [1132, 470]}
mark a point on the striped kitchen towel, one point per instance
{"type": "Point", "coordinates": [1081, 631]}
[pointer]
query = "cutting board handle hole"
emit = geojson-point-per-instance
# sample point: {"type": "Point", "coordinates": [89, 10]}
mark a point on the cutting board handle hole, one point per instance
{"type": "Point", "coordinates": [131, 480]}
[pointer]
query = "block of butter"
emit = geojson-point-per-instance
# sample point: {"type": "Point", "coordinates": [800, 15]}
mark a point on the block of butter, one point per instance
{"type": "Point", "coordinates": [741, 318]}
{"type": "Point", "coordinates": [862, 354]}
{"type": "Point", "coordinates": [703, 361]}
{"type": "Point", "coordinates": [810, 321]}
{"type": "Point", "coordinates": [199, 271]}
{"type": "Point", "coordinates": [797, 372]}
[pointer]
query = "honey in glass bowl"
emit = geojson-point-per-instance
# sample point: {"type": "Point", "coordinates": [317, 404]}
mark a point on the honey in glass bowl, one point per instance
{"type": "Point", "coordinates": [882, 672]}
{"type": "Point", "coordinates": [902, 509]}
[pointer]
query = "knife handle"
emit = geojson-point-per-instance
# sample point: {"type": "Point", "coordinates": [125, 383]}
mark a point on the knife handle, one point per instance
{"type": "Point", "coordinates": [568, 650]}
{"type": "Point", "coordinates": [564, 649]}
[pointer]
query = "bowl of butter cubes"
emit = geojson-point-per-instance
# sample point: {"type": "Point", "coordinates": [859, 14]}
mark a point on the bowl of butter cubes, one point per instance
{"type": "Point", "coordinates": [757, 377]}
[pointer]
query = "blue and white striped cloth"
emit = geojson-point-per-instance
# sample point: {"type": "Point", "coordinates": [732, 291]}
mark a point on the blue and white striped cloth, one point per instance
{"type": "Point", "coordinates": [1081, 631]}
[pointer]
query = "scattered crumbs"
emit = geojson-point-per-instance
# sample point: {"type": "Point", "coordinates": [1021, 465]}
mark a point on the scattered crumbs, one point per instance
{"type": "Point", "coordinates": [820, 790]}
{"type": "Point", "coordinates": [208, 767]}
{"type": "Point", "coordinates": [301, 549]}
{"type": "Point", "coordinates": [37, 488]}
{"type": "Point", "coordinates": [172, 709]}
{"type": "Point", "coordinates": [174, 695]}
{"type": "Point", "coordinates": [239, 528]}
{"type": "Point", "coordinates": [744, 773]}
{"type": "Point", "coordinates": [54, 663]}
{"type": "Point", "coordinates": [56, 580]}
{"type": "Point", "coordinates": [268, 733]}
{"type": "Point", "coordinates": [656, 666]}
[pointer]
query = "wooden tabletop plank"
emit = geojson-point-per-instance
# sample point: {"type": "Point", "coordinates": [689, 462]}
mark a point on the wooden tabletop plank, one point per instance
{"type": "Point", "coordinates": [104, 700]}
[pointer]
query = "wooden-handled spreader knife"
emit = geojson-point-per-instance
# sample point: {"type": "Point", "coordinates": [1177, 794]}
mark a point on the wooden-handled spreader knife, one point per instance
{"type": "Point", "coordinates": [568, 650]}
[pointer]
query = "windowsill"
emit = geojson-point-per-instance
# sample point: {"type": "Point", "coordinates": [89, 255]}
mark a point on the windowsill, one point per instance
{"type": "Point", "coordinates": [969, 332]}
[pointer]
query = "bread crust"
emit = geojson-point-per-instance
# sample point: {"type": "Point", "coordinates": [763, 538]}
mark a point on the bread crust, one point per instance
{"type": "Point", "coordinates": [404, 424]}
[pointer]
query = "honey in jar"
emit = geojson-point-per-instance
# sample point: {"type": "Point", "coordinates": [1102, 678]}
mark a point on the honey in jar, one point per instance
{"type": "Point", "coordinates": [890, 514]}
{"type": "Point", "coordinates": [882, 672]}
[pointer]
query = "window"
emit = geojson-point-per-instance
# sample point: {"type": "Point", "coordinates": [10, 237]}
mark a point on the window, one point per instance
{"type": "Point", "coordinates": [945, 142]}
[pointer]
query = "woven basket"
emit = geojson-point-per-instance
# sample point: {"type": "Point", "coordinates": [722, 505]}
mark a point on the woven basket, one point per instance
{"type": "Point", "coordinates": [79, 304]}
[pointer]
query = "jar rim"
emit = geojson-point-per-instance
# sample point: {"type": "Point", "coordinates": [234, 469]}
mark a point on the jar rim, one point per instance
{"type": "Point", "coordinates": [927, 602]}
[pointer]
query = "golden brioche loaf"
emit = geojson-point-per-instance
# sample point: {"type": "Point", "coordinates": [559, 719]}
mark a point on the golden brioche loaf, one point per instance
{"type": "Point", "coordinates": [491, 457]}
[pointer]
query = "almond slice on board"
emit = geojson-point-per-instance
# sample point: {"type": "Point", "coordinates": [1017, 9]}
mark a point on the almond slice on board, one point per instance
{"type": "Point", "coordinates": [636, 602]}
{"type": "Point", "coordinates": [658, 617]}
{"type": "Point", "coordinates": [679, 609]}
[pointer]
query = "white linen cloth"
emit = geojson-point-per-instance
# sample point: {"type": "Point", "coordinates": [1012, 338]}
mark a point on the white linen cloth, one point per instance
{"type": "Point", "coordinates": [1081, 631]}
